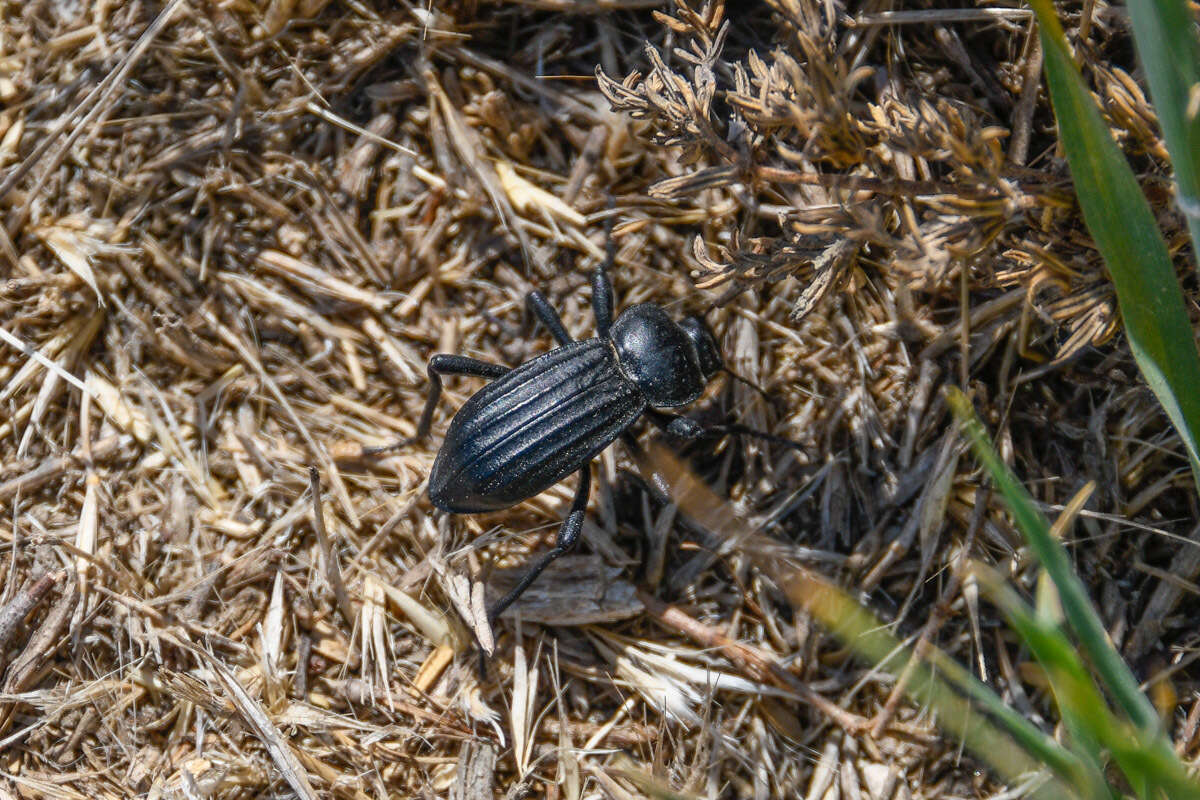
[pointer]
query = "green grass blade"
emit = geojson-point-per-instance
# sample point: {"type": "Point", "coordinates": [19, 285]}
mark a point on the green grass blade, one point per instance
{"type": "Point", "coordinates": [1061, 666]}
{"type": "Point", "coordinates": [1120, 221]}
{"type": "Point", "coordinates": [1148, 762]}
{"type": "Point", "coordinates": [1080, 614]}
{"type": "Point", "coordinates": [1164, 33]}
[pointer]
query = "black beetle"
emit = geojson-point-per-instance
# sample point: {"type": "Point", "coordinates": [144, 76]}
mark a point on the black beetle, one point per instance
{"type": "Point", "coordinates": [537, 423]}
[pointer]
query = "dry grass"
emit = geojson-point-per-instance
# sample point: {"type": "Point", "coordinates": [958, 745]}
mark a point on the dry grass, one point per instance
{"type": "Point", "coordinates": [232, 237]}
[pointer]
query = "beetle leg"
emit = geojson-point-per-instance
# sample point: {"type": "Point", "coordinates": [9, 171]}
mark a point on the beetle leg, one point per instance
{"type": "Point", "coordinates": [602, 288]}
{"type": "Point", "coordinates": [684, 428]}
{"type": "Point", "coordinates": [602, 298]}
{"type": "Point", "coordinates": [440, 365]}
{"type": "Point", "coordinates": [675, 425]}
{"type": "Point", "coordinates": [568, 535]}
{"type": "Point", "coordinates": [545, 312]}
{"type": "Point", "coordinates": [443, 364]}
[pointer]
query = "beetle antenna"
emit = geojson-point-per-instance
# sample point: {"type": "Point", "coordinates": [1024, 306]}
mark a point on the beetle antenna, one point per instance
{"type": "Point", "coordinates": [737, 429]}
{"type": "Point", "coordinates": [742, 430]}
{"type": "Point", "coordinates": [749, 383]}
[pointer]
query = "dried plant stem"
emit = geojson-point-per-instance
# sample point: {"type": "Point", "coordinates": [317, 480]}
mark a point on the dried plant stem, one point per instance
{"type": "Point", "coordinates": [333, 571]}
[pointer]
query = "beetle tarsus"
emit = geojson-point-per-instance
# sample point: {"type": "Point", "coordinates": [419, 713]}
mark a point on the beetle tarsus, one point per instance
{"type": "Point", "coordinates": [568, 535]}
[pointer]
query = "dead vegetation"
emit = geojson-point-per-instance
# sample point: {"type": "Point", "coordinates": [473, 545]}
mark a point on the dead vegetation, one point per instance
{"type": "Point", "coordinates": [232, 234]}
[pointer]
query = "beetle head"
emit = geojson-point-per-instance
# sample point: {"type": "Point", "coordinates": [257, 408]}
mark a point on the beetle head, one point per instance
{"type": "Point", "coordinates": [706, 345]}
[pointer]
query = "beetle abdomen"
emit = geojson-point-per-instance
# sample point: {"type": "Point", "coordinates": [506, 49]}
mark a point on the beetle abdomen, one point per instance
{"type": "Point", "coordinates": [523, 433]}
